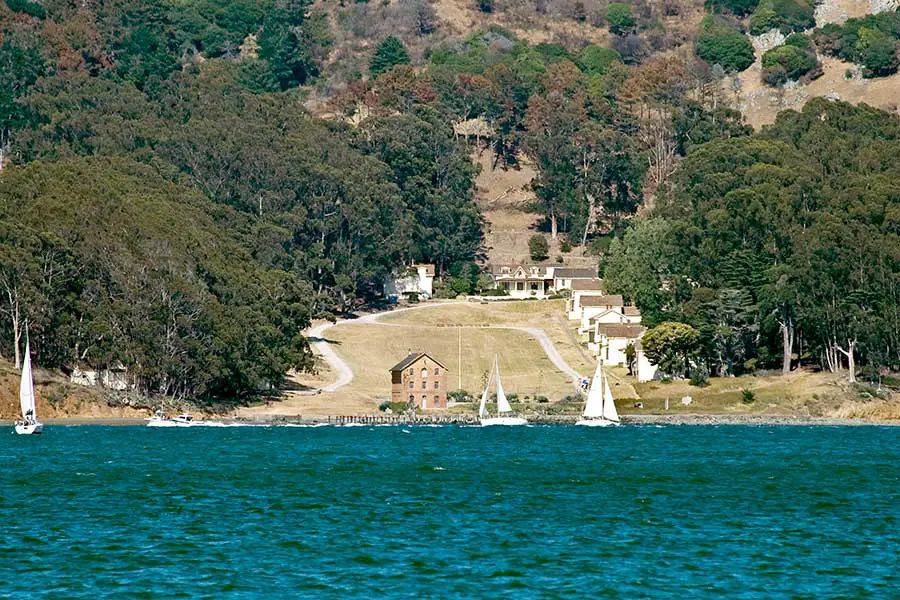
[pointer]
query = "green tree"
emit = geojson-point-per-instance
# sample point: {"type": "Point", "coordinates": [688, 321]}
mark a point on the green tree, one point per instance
{"type": "Point", "coordinates": [672, 346]}
{"type": "Point", "coordinates": [538, 248]}
{"type": "Point", "coordinates": [389, 53]}
{"type": "Point", "coordinates": [877, 52]}
{"type": "Point", "coordinates": [620, 18]}
{"type": "Point", "coordinates": [719, 44]}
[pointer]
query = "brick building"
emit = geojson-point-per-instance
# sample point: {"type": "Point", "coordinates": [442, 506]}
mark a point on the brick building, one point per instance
{"type": "Point", "coordinates": [421, 380]}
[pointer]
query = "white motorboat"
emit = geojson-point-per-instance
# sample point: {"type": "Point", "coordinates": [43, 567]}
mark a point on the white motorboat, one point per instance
{"type": "Point", "coordinates": [183, 420]}
{"type": "Point", "coordinates": [29, 424]}
{"type": "Point", "coordinates": [600, 409]}
{"type": "Point", "coordinates": [504, 410]}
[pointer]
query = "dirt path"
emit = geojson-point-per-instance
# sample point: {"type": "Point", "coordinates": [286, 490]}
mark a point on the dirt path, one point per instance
{"type": "Point", "coordinates": [345, 373]}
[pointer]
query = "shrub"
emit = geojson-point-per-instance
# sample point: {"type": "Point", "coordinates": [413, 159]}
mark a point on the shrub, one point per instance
{"type": "Point", "coordinates": [748, 397]}
{"type": "Point", "coordinates": [459, 396]}
{"type": "Point", "coordinates": [740, 8]}
{"type": "Point", "coordinates": [565, 245]}
{"type": "Point", "coordinates": [619, 17]}
{"type": "Point", "coordinates": [538, 248]}
{"type": "Point", "coordinates": [785, 15]}
{"type": "Point", "coordinates": [700, 378]}
{"type": "Point", "coordinates": [719, 44]}
{"type": "Point", "coordinates": [513, 397]}
{"type": "Point", "coordinates": [497, 291]}
{"type": "Point", "coordinates": [384, 405]}
{"type": "Point", "coordinates": [870, 41]}
{"type": "Point", "coordinates": [486, 6]}
{"type": "Point", "coordinates": [596, 60]}
{"type": "Point", "coordinates": [579, 13]}
{"type": "Point", "coordinates": [542, 399]}
{"type": "Point", "coordinates": [787, 62]}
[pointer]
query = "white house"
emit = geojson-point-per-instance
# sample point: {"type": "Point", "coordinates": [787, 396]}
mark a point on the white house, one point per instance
{"type": "Point", "coordinates": [566, 278]}
{"type": "Point", "coordinates": [609, 341]}
{"type": "Point", "coordinates": [580, 290]}
{"type": "Point", "coordinates": [592, 305]}
{"type": "Point", "coordinates": [415, 279]}
{"type": "Point", "coordinates": [524, 281]}
{"type": "Point", "coordinates": [611, 328]}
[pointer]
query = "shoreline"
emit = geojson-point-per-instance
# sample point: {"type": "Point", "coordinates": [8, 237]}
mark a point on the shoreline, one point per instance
{"type": "Point", "coordinates": [645, 420]}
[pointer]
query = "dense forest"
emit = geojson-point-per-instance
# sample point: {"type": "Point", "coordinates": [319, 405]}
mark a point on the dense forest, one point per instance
{"type": "Point", "coordinates": [187, 217]}
{"type": "Point", "coordinates": [779, 247]}
{"type": "Point", "coordinates": [169, 202]}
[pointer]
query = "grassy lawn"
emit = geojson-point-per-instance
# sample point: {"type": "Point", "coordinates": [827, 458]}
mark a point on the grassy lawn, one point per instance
{"type": "Point", "coordinates": [371, 350]}
{"type": "Point", "coordinates": [800, 393]}
{"type": "Point", "coordinates": [548, 315]}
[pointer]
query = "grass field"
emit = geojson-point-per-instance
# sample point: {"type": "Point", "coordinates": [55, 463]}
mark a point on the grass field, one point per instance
{"type": "Point", "coordinates": [800, 393]}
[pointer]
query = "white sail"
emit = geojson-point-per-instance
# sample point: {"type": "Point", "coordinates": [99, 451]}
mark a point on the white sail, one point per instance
{"type": "Point", "coordinates": [609, 406]}
{"type": "Point", "coordinates": [26, 386]}
{"type": "Point", "coordinates": [481, 408]}
{"type": "Point", "coordinates": [502, 404]}
{"type": "Point", "coordinates": [594, 405]}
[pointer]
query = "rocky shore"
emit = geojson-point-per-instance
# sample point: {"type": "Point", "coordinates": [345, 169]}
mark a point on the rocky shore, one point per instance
{"type": "Point", "coordinates": [467, 419]}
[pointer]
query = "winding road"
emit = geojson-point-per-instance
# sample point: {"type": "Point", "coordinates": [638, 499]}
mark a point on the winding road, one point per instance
{"type": "Point", "coordinates": [345, 373]}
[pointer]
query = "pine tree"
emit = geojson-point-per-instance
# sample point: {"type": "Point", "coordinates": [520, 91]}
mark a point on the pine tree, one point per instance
{"type": "Point", "coordinates": [390, 52]}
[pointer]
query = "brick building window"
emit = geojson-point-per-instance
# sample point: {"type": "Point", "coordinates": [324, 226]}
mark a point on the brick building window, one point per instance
{"type": "Point", "coordinates": [424, 373]}
{"type": "Point", "coordinates": [412, 398]}
{"type": "Point", "coordinates": [410, 385]}
{"type": "Point", "coordinates": [424, 385]}
{"type": "Point", "coordinates": [437, 371]}
{"type": "Point", "coordinates": [410, 371]}
{"type": "Point", "coordinates": [437, 400]}
{"type": "Point", "coordinates": [437, 385]}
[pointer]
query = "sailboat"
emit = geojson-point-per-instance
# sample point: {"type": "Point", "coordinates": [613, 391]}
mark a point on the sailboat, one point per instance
{"type": "Point", "coordinates": [503, 406]}
{"type": "Point", "coordinates": [599, 410]}
{"type": "Point", "coordinates": [29, 423]}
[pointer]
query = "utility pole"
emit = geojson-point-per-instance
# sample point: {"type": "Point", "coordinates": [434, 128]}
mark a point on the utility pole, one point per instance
{"type": "Point", "coordinates": [459, 357]}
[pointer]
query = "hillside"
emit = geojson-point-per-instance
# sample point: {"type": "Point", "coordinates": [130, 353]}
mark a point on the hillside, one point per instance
{"type": "Point", "coordinates": [840, 80]}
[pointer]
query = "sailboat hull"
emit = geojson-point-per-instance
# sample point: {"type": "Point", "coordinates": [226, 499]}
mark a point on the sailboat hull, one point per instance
{"type": "Point", "coordinates": [596, 423]}
{"type": "Point", "coordinates": [31, 429]}
{"type": "Point", "coordinates": [507, 421]}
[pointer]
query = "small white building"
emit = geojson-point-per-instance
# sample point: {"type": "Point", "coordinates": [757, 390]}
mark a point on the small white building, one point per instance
{"type": "Point", "coordinates": [417, 279]}
{"type": "Point", "coordinates": [591, 306]}
{"type": "Point", "coordinates": [609, 341]}
{"type": "Point", "coordinates": [644, 370]}
{"type": "Point", "coordinates": [568, 278]}
{"type": "Point", "coordinates": [582, 289]}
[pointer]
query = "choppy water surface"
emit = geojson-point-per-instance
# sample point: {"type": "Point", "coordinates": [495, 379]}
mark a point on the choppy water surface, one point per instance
{"type": "Point", "coordinates": [632, 512]}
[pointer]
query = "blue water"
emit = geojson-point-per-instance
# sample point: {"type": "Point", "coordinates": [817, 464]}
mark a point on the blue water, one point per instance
{"type": "Point", "coordinates": [543, 512]}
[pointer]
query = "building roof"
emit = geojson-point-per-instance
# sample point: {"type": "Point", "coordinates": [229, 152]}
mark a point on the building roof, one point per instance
{"type": "Point", "coordinates": [620, 330]}
{"type": "Point", "coordinates": [496, 268]}
{"type": "Point", "coordinates": [587, 284]}
{"type": "Point", "coordinates": [632, 311]}
{"type": "Point", "coordinates": [611, 300]}
{"type": "Point", "coordinates": [429, 268]}
{"type": "Point", "coordinates": [576, 273]}
{"type": "Point", "coordinates": [412, 359]}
